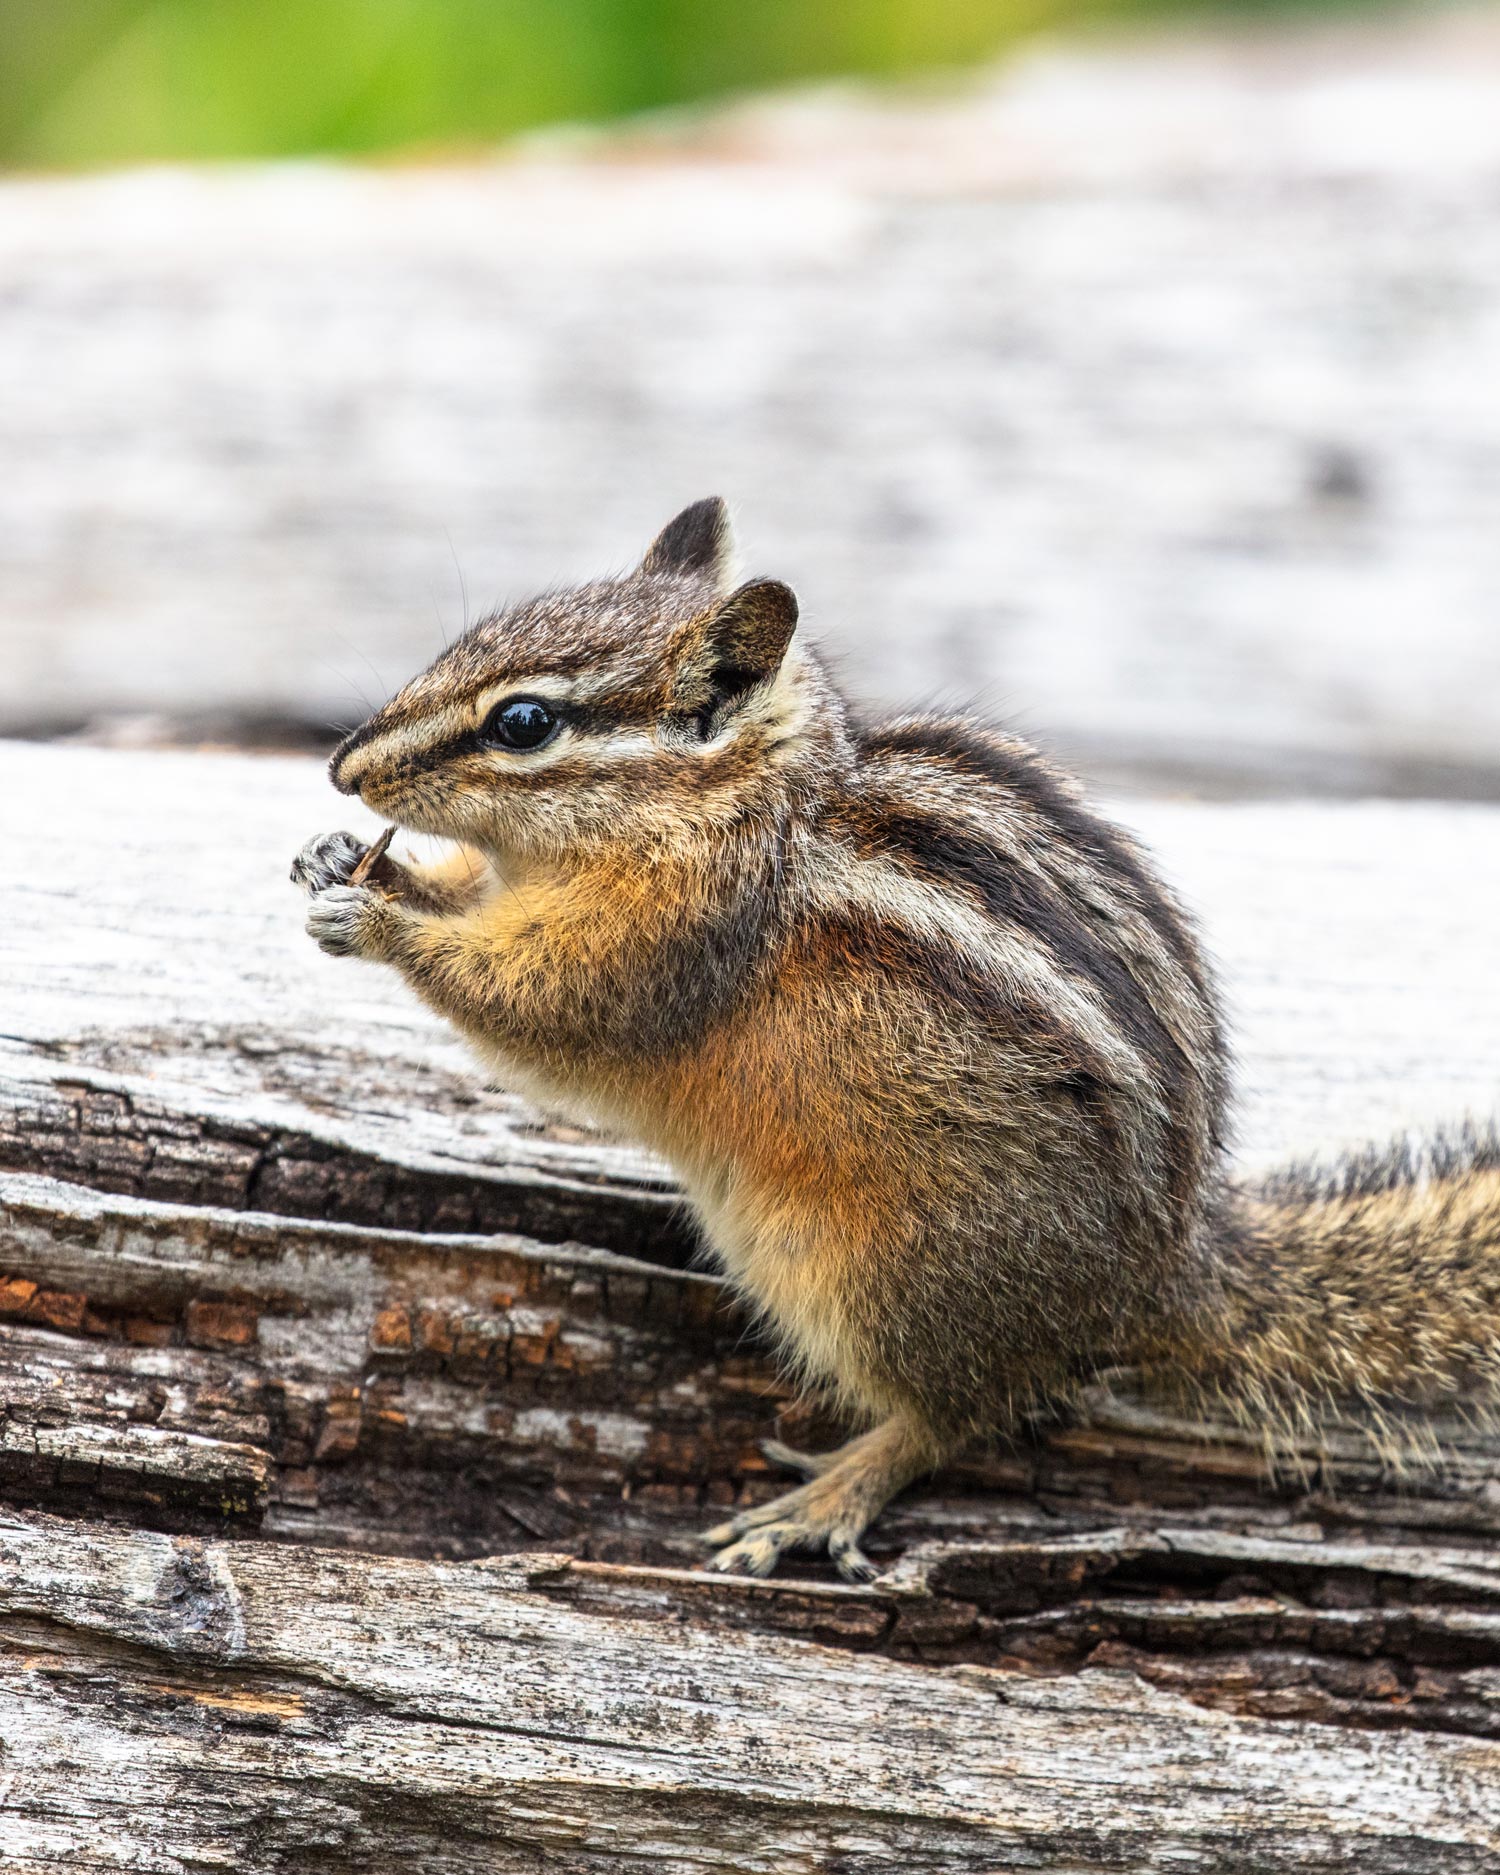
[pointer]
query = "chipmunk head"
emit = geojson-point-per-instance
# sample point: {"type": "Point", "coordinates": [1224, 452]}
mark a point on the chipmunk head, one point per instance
{"type": "Point", "coordinates": [603, 711]}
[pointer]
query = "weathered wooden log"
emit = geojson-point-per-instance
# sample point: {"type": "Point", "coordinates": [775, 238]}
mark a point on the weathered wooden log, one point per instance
{"type": "Point", "coordinates": [267, 1708]}
{"type": "Point", "coordinates": [299, 1322]}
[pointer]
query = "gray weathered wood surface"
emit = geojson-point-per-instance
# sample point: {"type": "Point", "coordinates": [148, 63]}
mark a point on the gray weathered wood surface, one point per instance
{"type": "Point", "coordinates": [268, 1709]}
{"type": "Point", "coordinates": [1141, 390]}
{"type": "Point", "coordinates": [299, 1323]}
{"type": "Point", "coordinates": [151, 941]}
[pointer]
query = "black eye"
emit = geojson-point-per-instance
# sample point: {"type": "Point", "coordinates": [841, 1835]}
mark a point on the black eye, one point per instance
{"type": "Point", "coordinates": [520, 723]}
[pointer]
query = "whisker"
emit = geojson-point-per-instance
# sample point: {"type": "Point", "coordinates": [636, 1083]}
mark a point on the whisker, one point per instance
{"type": "Point", "coordinates": [463, 588]}
{"type": "Point", "coordinates": [437, 613]}
{"type": "Point", "coordinates": [367, 708]}
{"type": "Point", "coordinates": [369, 666]}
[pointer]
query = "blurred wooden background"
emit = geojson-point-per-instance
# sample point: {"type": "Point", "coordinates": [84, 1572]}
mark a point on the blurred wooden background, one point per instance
{"type": "Point", "coordinates": [1144, 394]}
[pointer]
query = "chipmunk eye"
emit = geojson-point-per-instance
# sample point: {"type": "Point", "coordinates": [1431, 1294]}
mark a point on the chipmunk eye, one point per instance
{"type": "Point", "coordinates": [520, 723]}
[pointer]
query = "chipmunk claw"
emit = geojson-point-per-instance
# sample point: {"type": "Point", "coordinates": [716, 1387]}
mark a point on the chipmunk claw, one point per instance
{"type": "Point", "coordinates": [753, 1541]}
{"type": "Point", "coordinates": [327, 861]}
{"type": "Point", "coordinates": [756, 1555]}
{"type": "Point", "coordinates": [850, 1560]}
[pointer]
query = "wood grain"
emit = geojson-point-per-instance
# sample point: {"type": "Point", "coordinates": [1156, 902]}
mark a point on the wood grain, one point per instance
{"type": "Point", "coordinates": [270, 1704]}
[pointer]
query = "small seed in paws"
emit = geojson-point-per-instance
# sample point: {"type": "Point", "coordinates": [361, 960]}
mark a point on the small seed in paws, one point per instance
{"type": "Point", "coordinates": [372, 857]}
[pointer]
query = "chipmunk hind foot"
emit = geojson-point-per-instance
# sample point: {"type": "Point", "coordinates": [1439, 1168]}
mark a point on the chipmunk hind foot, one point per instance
{"type": "Point", "coordinates": [845, 1492]}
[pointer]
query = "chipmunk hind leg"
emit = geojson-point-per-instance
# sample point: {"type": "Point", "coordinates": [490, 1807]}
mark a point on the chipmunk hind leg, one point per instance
{"type": "Point", "coordinates": [847, 1491]}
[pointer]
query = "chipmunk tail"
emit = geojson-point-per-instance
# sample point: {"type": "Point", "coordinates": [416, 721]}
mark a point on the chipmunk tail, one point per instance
{"type": "Point", "coordinates": [1362, 1293]}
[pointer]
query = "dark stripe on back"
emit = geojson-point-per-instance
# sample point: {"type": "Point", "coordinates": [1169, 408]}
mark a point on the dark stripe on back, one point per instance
{"type": "Point", "coordinates": [947, 854]}
{"type": "Point", "coordinates": [902, 956]}
{"type": "Point", "coordinates": [1022, 773]}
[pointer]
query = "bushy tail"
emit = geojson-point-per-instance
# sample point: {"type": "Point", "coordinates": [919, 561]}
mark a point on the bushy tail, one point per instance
{"type": "Point", "coordinates": [1366, 1290]}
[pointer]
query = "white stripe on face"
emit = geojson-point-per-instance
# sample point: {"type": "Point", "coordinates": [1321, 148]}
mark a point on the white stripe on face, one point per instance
{"type": "Point", "coordinates": [539, 684]}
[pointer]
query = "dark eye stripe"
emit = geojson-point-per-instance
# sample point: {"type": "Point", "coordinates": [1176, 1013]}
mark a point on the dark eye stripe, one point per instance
{"type": "Point", "coordinates": [585, 719]}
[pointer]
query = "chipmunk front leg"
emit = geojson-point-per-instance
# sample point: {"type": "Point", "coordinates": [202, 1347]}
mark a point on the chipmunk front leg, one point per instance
{"type": "Point", "coordinates": [847, 1491]}
{"type": "Point", "coordinates": [439, 958]}
{"type": "Point", "coordinates": [460, 964]}
{"type": "Point", "coordinates": [347, 920]}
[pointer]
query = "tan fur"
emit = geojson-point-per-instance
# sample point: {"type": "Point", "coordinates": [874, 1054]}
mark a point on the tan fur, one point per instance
{"type": "Point", "coordinates": [450, 884]}
{"type": "Point", "coordinates": [936, 1056]}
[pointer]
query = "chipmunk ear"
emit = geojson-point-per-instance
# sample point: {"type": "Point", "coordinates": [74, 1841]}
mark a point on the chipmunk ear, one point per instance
{"type": "Point", "coordinates": [736, 646]}
{"type": "Point", "coordinates": [699, 540]}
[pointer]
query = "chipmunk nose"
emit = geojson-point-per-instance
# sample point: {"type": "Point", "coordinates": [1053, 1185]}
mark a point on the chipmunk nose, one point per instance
{"type": "Point", "coordinates": [338, 765]}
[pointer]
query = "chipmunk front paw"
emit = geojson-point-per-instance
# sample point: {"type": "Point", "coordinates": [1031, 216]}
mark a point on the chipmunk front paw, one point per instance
{"type": "Point", "coordinates": [327, 861]}
{"type": "Point", "coordinates": [349, 921]}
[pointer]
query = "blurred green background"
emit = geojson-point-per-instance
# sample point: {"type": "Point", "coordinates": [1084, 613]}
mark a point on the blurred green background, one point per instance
{"type": "Point", "coordinates": [109, 81]}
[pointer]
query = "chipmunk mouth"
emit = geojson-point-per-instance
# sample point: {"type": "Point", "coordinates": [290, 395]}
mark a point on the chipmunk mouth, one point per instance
{"type": "Point", "coordinates": [404, 814]}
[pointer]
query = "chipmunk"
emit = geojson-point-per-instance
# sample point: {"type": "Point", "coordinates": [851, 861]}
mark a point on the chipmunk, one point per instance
{"type": "Point", "coordinates": [935, 1054]}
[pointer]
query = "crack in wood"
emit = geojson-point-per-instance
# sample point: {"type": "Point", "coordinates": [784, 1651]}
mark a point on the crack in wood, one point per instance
{"type": "Point", "coordinates": [114, 1139]}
